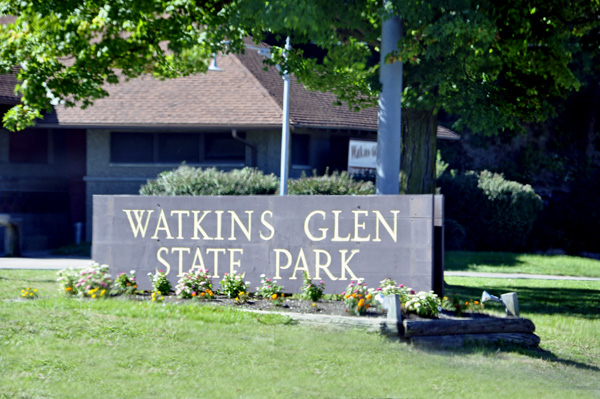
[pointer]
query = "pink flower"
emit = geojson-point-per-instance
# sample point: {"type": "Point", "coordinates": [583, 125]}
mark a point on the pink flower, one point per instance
{"type": "Point", "coordinates": [268, 280]}
{"type": "Point", "coordinates": [161, 271]}
{"type": "Point", "coordinates": [378, 289]}
{"type": "Point", "coordinates": [412, 292]}
{"type": "Point", "coordinates": [321, 282]}
{"type": "Point", "coordinates": [401, 286]}
{"type": "Point", "coordinates": [344, 293]}
{"type": "Point", "coordinates": [356, 291]}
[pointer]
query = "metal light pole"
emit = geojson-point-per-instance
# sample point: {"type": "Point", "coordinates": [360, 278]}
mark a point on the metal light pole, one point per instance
{"type": "Point", "coordinates": [389, 116]}
{"type": "Point", "coordinates": [285, 128]}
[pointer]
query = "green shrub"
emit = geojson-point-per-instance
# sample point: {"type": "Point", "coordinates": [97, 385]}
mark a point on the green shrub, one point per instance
{"type": "Point", "coordinates": [336, 183]}
{"type": "Point", "coordinates": [496, 214]}
{"type": "Point", "coordinates": [186, 180]}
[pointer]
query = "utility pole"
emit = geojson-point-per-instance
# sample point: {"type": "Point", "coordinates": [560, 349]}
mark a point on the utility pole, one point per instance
{"type": "Point", "coordinates": [285, 128]}
{"type": "Point", "coordinates": [389, 116]}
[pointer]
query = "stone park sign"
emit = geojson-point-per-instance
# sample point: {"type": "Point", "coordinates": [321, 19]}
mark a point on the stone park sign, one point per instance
{"type": "Point", "coordinates": [333, 238]}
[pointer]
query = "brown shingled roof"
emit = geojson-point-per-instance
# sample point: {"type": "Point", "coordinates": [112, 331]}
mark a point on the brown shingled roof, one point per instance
{"type": "Point", "coordinates": [242, 95]}
{"type": "Point", "coordinates": [215, 99]}
{"type": "Point", "coordinates": [7, 88]}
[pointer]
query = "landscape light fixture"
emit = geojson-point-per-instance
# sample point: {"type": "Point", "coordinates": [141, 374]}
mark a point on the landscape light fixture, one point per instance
{"type": "Point", "coordinates": [509, 300]}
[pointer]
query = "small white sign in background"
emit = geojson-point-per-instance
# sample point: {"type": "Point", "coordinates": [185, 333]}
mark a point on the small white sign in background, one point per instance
{"type": "Point", "coordinates": [362, 156]}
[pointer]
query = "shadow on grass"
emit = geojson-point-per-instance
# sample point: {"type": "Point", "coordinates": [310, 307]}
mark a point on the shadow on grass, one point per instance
{"type": "Point", "coordinates": [461, 260]}
{"type": "Point", "coordinates": [536, 353]}
{"type": "Point", "coordinates": [540, 300]}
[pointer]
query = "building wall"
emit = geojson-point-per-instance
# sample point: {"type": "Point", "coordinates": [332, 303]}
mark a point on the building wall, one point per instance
{"type": "Point", "coordinates": [41, 194]}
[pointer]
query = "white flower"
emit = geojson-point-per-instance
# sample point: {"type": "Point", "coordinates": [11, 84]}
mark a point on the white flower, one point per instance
{"type": "Point", "coordinates": [262, 275]}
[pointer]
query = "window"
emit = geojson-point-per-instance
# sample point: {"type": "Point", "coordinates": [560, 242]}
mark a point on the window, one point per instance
{"type": "Point", "coordinates": [30, 146]}
{"type": "Point", "coordinates": [126, 147]}
{"type": "Point", "coordinates": [131, 147]}
{"type": "Point", "coordinates": [178, 147]}
{"type": "Point", "coordinates": [219, 147]}
{"type": "Point", "coordinates": [300, 149]}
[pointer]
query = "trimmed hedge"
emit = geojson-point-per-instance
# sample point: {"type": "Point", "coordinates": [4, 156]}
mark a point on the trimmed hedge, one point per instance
{"type": "Point", "coordinates": [496, 214]}
{"type": "Point", "coordinates": [330, 184]}
{"type": "Point", "coordinates": [186, 180]}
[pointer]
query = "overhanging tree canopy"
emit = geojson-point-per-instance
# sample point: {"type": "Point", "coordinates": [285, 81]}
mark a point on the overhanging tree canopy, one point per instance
{"type": "Point", "coordinates": [491, 63]}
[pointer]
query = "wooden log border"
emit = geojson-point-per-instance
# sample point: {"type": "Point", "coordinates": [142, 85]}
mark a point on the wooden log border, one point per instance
{"type": "Point", "coordinates": [467, 326]}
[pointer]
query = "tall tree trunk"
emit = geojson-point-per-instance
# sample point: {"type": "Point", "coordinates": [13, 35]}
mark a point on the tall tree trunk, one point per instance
{"type": "Point", "coordinates": [417, 160]}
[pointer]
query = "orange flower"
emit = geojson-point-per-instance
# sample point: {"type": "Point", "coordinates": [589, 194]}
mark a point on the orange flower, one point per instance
{"type": "Point", "coordinates": [361, 303]}
{"type": "Point", "coordinates": [68, 288]}
{"type": "Point", "coordinates": [369, 296]}
{"type": "Point", "coordinates": [193, 294]}
{"type": "Point", "coordinates": [353, 295]}
{"type": "Point", "coordinates": [274, 296]}
{"type": "Point", "coordinates": [476, 302]}
{"type": "Point", "coordinates": [202, 294]}
{"type": "Point", "coordinates": [467, 303]}
{"type": "Point", "coordinates": [368, 306]}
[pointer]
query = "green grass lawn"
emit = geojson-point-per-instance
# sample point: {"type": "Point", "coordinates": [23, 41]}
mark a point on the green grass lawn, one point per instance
{"type": "Point", "coordinates": [55, 347]}
{"type": "Point", "coordinates": [506, 262]}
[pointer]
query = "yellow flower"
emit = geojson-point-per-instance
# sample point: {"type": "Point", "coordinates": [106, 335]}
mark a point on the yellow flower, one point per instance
{"type": "Point", "coordinates": [102, 292]}
{"type": "Point", "coordinates": [35, 290]}
{"type": "Point", "coordinates": [445, 298]}
{"type": "Point", "coordinates": [274, 296]}
{"type": "Point", "coordinates": [94, 296]}
{"type": "Point", "coordinates": [153, 298]}
{"type": "Point", "coordinates": [369, 296]}
{"type": "Point", "coordinates": [22, 291]}
{"type": "Point", "coordinates": [314, 304]}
